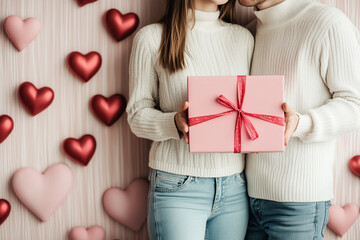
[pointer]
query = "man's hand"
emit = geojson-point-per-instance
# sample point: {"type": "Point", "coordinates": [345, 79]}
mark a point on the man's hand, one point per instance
{"type": "Point", "coordinates": [291, 121]}
{"type": "Point", "coordinates": [181, 120]}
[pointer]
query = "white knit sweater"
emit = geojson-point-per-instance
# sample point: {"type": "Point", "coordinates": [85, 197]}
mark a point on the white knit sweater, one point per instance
{"type": "Point", "coordinates": [317, 48]}
{"type": "Point", "coordinates": [214, 48]}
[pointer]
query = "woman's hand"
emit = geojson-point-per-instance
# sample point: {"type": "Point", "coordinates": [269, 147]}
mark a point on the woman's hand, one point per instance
{"type": "Point", "coordinates": [291, 121]}
{"type": "Point", "coordinates": [181, 120]}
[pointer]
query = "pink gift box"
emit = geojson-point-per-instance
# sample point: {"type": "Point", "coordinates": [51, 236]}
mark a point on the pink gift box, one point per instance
{"type": "Point", "coordinates": [263, 95]}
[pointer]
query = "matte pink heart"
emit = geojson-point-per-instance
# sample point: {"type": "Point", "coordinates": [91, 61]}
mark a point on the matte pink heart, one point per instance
{"type": "Point", "coordinates": [21, 33]}
{"type": "Point", "coordinates": [341, 218]}
{"type": "Point", "coordinates": [43, 193]}
{"type": "Point", "coordinates": [128, 207]}
{"type": "Point", "coordinates": [91, 233]}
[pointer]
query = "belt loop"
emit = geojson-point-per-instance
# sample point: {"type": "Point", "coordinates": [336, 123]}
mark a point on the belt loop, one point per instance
{"type": "Point", "coordinates": [152, 177]}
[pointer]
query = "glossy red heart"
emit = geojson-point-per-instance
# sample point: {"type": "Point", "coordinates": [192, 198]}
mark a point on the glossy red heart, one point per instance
{"type": "Point", "coordinates": [33, 99]}
{"type": "Point", "coordinates": [84, 2]}
{"type": "Point", "coordinates": [108, 110]}
{"type": "Point", "coordinates": [354, 165]}
{"type": "Point", "coordinates": [5, 209]}
{"type": "Point", "coordinates": [81, 150]}
{"type": "Point", "coordinates": [84, 66]}
{"type": "Point", "coordinates": [6, 126]}
{"type": "Point", "coordinates": [121, 26]}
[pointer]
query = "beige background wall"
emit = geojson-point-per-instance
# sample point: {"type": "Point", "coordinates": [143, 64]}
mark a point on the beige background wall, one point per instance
{"type": "Point", "coordinates": [120, 156]}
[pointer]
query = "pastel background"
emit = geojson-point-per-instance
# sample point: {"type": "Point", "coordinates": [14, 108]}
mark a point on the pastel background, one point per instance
{"type": "Point", "coordinates": [120, 157]}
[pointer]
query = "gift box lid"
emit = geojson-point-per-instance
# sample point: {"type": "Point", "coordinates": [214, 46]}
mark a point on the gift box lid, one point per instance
{"type": "Point", "coordinates": [263, 95]}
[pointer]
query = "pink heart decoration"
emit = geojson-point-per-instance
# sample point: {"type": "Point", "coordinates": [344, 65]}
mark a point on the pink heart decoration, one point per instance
{"type": "Point", "coordinates": [341, 218]}
{"type": "Point", "coordinates": [43, 193]}
{"type": "Point", "coordinates": [91, 233]}
{"type": "Point", "coordinates": [21, 33]}
{"type": "Point", "coordinates": [128, 207]}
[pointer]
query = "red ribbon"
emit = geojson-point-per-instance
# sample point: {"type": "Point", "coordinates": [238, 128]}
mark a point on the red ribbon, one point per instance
{"type": "Point", "coordinates": [241, 115]}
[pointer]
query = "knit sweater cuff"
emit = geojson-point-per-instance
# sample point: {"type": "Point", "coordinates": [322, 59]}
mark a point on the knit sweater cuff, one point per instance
{"type": "Point", "coordinates": [169, 126]}
{"type": "Point", "coordinates": [304, 126]}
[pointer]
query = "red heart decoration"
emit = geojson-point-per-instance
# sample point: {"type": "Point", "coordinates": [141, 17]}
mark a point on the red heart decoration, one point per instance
{"type": "Point", "coordinates": [121, 26]}
{"type": "Point", "coordinates": [35, 100]}
{"type": "Point", "coordinates": [81, 150]}
{"type": "Point", "coordinates": [84, 2]}
{"type": "Point", "coordinates": [5, 209]}
{"type": "Point", "coordinates": [354, 165]}
{"type": "Point", "coordinates": [108, 110]}
{"type": "Point", "coordinates": [6, 126]}
{"type": "Point", "coordinates": [84, 66]}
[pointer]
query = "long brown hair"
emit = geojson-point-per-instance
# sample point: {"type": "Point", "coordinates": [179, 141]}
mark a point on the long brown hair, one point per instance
{"type": "Point", "coordinates": [175, 25]}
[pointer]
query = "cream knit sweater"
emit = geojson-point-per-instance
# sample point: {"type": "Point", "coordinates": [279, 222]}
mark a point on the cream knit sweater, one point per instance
{"type": "Point", "coordinates": [317, 48]}
{"type": "Point", "coordinates": [214, 48]}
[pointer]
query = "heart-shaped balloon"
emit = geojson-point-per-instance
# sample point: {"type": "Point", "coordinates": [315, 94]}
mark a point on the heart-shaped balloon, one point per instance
{"type": "Point", "coordinates": [108, 110]}
{"type": "Point", "coordinates": [128, 207]}
{"type": "Point", "coordinates": [84, 2]}
{"type": "Point", "coordinates": [121, 26]}
{"type": "Point", "coordinates": [341, 218]}
{"type": "Point", "coordinates": [35, 100]}
{"type": "Point", "coordinates": [43, 193]}
{"type": "Point", "coordinates": [6, 127]}
{"type": "Point", "coordinates": [354, 165]}
{"type": "Point", "coordinates": [21, 33]}
{"type": "Point", "coordinates": [81, 150]}
{"type": "Point", "coordinates": [91, 233]}
{"type": "Point", "coordinates": [5, 209]}
{"type": "Point", "coordinates": [84, 66]}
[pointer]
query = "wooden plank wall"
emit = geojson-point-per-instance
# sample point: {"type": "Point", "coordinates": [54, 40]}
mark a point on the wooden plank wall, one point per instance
{"type": "Point", "coordinates": [120, 157]}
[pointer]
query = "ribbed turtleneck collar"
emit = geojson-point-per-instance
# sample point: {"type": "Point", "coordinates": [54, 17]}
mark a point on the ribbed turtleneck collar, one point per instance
{"type": "Point", "coordinates": [280, 13]}
{"type": "Point", "coordinates": [205, 21]}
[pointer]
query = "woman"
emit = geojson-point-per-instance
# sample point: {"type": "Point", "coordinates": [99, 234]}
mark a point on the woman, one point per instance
{"type": "Point", "coordinates": [192, 196]}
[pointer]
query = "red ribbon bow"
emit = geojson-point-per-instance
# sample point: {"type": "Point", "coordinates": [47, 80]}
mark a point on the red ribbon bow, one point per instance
{"type": "Point", "coordinates": [242, 115]}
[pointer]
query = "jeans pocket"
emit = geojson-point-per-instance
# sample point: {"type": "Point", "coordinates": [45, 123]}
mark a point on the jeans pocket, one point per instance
{"type": "Point", "coordinates": [168, 182]}
{"type": "Point", "coordinates": [240, 177]}
{"type": "Point", "coordinates": [326, 218]}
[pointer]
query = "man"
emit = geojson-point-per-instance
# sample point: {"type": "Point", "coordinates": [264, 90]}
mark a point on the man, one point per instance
{"type": "Point", "coordinates": [317, 48]}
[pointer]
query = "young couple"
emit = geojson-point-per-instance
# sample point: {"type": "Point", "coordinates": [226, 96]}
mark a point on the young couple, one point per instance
{"type": "Point", "coordinates": [206, 195]}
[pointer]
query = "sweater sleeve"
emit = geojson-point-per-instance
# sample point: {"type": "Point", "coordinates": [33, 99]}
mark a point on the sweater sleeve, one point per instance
{"type": "Point", "coordinates": [340, 70]}
{"type": "Point", "coordinates": [145, 118]}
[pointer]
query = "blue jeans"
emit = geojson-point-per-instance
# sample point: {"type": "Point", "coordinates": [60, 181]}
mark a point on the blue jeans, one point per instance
{"type": "Point", "coordinates": [271, 220]}
{"type": "Point", "coordinates": [196, 208]}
